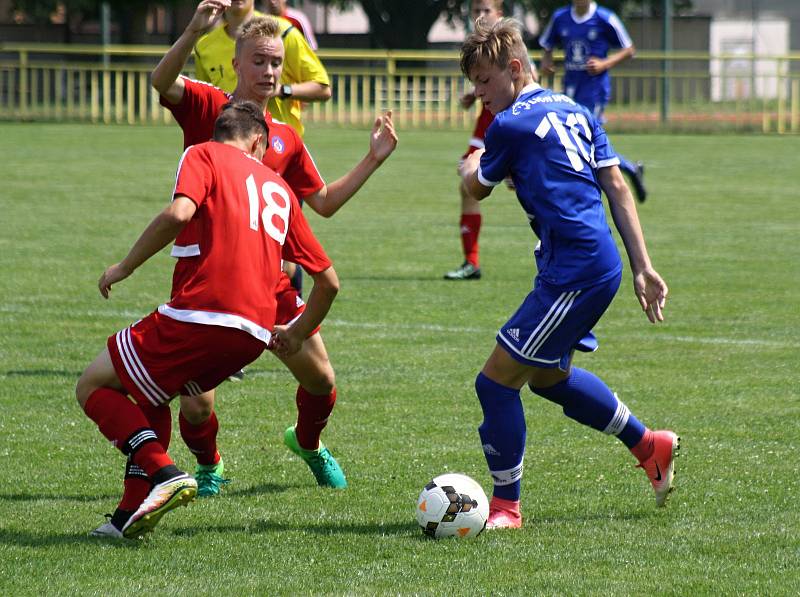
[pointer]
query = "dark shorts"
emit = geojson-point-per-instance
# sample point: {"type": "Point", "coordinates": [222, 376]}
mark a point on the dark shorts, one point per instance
{"type": "Point", "coordinates": [551, 323]}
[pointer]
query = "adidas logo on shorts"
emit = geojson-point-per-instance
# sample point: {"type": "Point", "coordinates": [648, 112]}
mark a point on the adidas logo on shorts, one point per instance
{"type": "Point", "coordinates": [514, 333]}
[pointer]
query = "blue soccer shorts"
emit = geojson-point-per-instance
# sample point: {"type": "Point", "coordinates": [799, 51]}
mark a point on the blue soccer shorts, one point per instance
{"type": "Point", "coordinates": [552, 322]}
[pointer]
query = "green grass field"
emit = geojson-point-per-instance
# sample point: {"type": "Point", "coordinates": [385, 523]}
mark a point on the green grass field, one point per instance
{"type": "Point", "coordinates": [722, 225]}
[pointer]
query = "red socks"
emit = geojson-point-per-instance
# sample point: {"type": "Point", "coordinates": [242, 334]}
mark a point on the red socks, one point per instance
{"type": "Point", "coordinates": [137, 485]}
{"type": "Point", "coordinates": [124, 425]}
{"type": "Point", "coordinates": [644, 449]}
{"type": "Point", "coordinates": [312, 416]}
{"type": "Point", "coordinates": [470, 230]}
{"type": "Point", "coordinates": [201, 439]}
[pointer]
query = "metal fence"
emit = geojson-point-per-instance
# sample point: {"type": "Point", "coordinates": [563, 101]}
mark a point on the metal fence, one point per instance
{"type": "Point", "coordinates": [675, 91]}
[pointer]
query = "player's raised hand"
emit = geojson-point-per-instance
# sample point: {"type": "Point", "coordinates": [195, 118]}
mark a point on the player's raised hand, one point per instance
{"type": "Point", "coordinates": [651, 290]}
{"type": "Point", "coordinates": [206, 15]}
{"type": "Point", "coordinates": [383, 140]}
{"type": "Point", "coordinates": [113, 274]}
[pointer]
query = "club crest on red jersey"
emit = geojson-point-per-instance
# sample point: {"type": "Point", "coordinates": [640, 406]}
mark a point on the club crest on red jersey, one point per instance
{"type": "Point", "coordinates": [277, 144]}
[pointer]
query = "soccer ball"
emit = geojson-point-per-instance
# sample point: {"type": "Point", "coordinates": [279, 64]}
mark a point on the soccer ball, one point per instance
{"type": "Point", "coordinates": [452, 505]}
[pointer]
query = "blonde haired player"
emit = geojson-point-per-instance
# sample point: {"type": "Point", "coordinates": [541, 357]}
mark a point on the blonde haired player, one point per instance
{"type": "Point", "coordinates": [560, 160]}
{"type": "Point", "coordinates": [195, 106]}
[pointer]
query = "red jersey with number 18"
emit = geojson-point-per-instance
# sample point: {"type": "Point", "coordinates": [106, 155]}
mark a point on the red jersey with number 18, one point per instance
{"type": "Point", "coordinates": [287, 155]}
{"type": "Point", "coordinates": [248, 220]}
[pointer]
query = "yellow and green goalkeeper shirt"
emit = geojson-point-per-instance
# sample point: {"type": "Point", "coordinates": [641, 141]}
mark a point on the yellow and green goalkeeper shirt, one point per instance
{"type": "Point", "coordinates": [213, 57]}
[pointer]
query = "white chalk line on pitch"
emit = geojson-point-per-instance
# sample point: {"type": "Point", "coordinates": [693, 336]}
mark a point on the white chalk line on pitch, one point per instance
{"type": "Point", "coordinates": [462, 330]}
{"type": "Point", "coordinates": [430, 327]}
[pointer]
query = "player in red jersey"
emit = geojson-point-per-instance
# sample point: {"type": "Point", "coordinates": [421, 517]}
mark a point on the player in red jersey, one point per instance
{"type": "Point", "coordinates": [219, 320]}
{"type": "Point", "coordinates": [258, 62]}
{"type": "Point", "coordinates": [471, 218]}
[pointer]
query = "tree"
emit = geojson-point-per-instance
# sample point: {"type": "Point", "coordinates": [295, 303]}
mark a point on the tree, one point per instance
{"type": "Point", "coordinates": [130, 16]}
{"type": "Point", "coordinates": [396, 24]}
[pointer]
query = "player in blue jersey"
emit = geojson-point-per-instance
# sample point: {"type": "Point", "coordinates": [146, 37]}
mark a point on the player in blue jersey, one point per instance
{"type": "Point", "coordinates": [560, 160]}
{"type": "Point", "coordinates": [586, 32]}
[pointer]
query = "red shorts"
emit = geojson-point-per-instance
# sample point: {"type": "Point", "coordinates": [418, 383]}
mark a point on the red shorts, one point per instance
{"type": "Point", "coordinates": [485, 118]}
{"type": "Point", "coordinates": [290, 305]}
{"type": "Point", "coordinates": [158, 357]}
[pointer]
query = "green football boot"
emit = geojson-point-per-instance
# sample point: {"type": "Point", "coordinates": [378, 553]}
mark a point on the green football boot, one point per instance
{"type": "Point", "coordinates": [210, 478]}
{"type": "Point", "coordinates": [326, 470]}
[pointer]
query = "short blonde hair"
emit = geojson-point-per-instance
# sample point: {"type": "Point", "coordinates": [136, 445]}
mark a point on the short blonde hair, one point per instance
{"type": "Point", "coordinates": [496, 4]}
{"type": "Point", "coordinates": [255, 28]}
{"type": "Point", "coordinates": [496, 44]}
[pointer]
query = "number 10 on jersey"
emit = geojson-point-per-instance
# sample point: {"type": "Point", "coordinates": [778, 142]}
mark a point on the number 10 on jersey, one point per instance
{"type": "Point", "coordinates": [577, 153]}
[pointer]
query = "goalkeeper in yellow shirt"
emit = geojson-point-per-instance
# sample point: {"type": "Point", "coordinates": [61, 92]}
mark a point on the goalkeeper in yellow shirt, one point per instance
{"type": "Point", "coordinates": [304, 79]}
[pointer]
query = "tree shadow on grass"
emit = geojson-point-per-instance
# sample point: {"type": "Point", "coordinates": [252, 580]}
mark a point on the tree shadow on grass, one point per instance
{"type": "Point", "coordinates": [27, 539]}
{"type": "Point", "coordinates": [57, 497]}
{"type": "Point", "coordinates": [41, 373]}
{"type": "Point", "coordinates": [261, 488]}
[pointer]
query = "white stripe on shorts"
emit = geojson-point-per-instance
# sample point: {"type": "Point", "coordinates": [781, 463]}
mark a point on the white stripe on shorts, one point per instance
{"type": "Point", "coordinates": [136, 370]}
{"type": "Point", "coordinates": [549, 322]}
{"type": "Point", "coordinates": [192, 389]}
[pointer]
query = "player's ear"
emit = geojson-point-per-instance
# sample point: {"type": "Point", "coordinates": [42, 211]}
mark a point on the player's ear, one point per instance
{"type": "Point", "coordinates": [257, 144]}
{"type": "Point", "coordinates": [516, 68]}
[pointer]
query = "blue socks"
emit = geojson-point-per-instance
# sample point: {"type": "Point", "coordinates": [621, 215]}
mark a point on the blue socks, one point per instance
{"type": "Point", "coordinates": [502, 435]}
{"type": "Point", "coordinates": [584, 398]}
{"type": "Point", "coordinates": [588, 400]}
{"type": "Point", "coordinates": [627, 166]}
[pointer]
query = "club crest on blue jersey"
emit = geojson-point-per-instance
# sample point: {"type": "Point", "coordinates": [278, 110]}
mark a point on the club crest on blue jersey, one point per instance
{"type": "Point", "coordinates": [277, 144]}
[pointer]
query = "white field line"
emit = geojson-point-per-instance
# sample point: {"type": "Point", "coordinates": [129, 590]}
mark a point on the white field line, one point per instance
{"type": "Point", "coordinates": [428, 327]}
{"type": "Point", "coordinates": [487, 330]}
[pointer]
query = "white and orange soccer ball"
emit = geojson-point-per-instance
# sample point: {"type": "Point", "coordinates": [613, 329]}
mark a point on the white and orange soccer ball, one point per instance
{"type": "Point", "coordinates": [452, 505]}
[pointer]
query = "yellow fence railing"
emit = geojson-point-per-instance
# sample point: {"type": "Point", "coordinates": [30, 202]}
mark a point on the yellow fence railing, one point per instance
{"type": "Point", "coordinates": [680, 90]}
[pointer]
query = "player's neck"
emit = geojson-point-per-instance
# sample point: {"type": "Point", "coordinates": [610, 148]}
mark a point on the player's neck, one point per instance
{"type": "Point", "coordinates": [238, 144]}
{"type": "Point", "coordinates": [582, 11]}
{"type": "Point", "coordinates": [522, 83]}
{"type": "Point", "coordinates": [234, 22]}
{"type": "Point", "coordinates": [241, 96]}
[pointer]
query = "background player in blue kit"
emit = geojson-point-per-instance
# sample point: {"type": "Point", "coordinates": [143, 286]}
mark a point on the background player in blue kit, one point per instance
{"type": "Point", "coordinates": [586, 32]}
{"type": "Point", "coordinates": [559, 159]}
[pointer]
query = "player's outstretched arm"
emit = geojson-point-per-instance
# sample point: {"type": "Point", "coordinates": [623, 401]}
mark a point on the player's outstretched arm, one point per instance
{"type": "Point", "coordinates": [165, 78]}
{"type": "Point", "coordinates": [382, 142]}
{"type": "Point", "coordinates": [287, 339]}
{"type": "Point", "coordinates": [595, 65]}
{"type": "Point", "coordinates": [650, 288]}
{"type": "Point", "coordinates": [161, 231]}
{"type": "Point", "coordinates": [308, 91]}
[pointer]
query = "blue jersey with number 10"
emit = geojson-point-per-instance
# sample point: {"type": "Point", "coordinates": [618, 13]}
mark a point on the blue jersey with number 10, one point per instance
{"type": "Point", "coordinates": [551, 147]}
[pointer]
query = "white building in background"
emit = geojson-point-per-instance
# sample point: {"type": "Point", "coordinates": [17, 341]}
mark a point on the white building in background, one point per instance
{"type": "Point", "coordinates": [743, 78]}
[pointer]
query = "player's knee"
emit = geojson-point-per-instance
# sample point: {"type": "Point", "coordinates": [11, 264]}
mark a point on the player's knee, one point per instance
{"type": "Point", "coordinates": [323, 383]}
{"type": "Point", "coordinates": [542, 379]}
{"type": "Point", "coordinates": [84, 388]}
{"type": "Point", "coordinates": [197, 409]}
